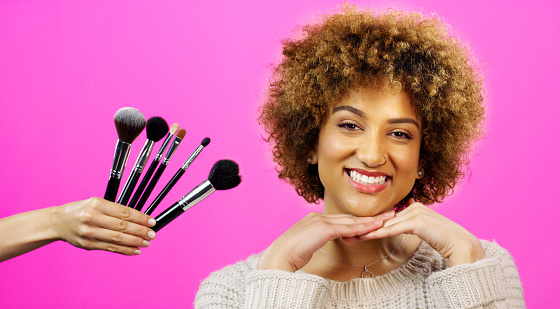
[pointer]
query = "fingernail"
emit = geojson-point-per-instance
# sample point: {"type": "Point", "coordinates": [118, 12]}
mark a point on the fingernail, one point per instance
{"type": "Point", "coordinates": [378, 222]}
{"type": "Point", "coordinates": [152, 234]}
{"type": "Point", "coordinates": [146, 243]}
{"type": "Point", "coordinates": [390, 213]}
{"type": "Point", "coordinates": [136, 252]}
{"type": "Point", "coordinates": [151, 222]}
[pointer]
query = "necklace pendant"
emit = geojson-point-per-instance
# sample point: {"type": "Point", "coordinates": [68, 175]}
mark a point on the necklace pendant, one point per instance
{"type": "Point", "coordinates": [367, 273]}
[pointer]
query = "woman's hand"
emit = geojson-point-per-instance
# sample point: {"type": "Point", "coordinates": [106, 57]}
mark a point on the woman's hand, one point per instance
{"type": "Point", "coordinates": [450, 239]}
{"type": "Point", "coordinates": [293, 249]}
{"type": "Point", "coordinates": [97, 224]}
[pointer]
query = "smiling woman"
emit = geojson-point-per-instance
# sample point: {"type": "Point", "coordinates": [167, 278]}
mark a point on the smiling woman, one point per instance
{"type": "Point", "coordinates": [374, 114]}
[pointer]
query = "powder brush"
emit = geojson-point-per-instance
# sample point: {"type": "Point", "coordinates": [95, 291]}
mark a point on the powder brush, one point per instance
{"type": "Point", "coordinates": [129, 123]}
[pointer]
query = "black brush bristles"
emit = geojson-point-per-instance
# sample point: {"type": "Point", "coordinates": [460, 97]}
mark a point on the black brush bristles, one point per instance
{"type": "Point", "coordinates": [205, 142]}
{"type": "Point", "coordinates": [129, 123]}
{"type": "Point", "coordinates": [156, 128]}
{"type": "Point", "coordinates": [224, 175]}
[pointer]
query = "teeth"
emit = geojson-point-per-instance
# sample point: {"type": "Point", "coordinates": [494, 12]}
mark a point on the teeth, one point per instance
{"type": "Point", "coordinates": [363, 179]}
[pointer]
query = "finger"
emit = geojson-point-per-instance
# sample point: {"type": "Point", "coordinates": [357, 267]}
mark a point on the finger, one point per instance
{"type": "Point", "coordinates": [119, 238]}
{"type": "Point", "coordinates": [404, 227]}
{"type": "Point", "coordinates": [125, 213]}
{"type": "Point", "coordinates": [111, 247]}
{"type": "Point", "coordinates": [334, 231]}
{"type": "Point", "coordinates": [123, 226]}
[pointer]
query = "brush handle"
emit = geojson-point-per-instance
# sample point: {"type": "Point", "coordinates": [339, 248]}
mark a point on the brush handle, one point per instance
{"type": "Point", "coordinates": [143, 183]}
{"type": "Point", "coordinates": [165, 190]}
{"type": "Point", "coordinates": [167, 216]}
{"type": "Point", "coordinates": [150, 187]}
{"type": "Point", "coordinates": [112, 188]}
{"type": "Point", "coordinates": [129, 187]}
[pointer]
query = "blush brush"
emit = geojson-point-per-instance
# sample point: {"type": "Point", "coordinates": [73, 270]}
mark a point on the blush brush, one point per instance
{"type": "Point", "coordinates": [224, 175]}
{"type": "Point", "coordinates": [161, 168]}
{"type": "Point", "coordinates": [156, 129]}
{"type": "Point", "coordinates": [177, 176]}
{"type": "Point", "coordinates": [129, 123]}
{"type": "Point", "coordinates": [174, 128]}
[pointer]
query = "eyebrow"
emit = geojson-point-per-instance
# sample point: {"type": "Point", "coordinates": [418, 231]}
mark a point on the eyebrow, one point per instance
{"type": "Point", "coordinates": [363, 115]}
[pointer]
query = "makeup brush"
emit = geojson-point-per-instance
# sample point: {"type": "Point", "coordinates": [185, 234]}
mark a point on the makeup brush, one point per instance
{"type": "Point", "coordinates": [177, 176]}
{"type": "Point", "coordinates": [224, 175]}
{"type": "Point", "coordinates": [174, 128]}
{"type": "Point", "coordinates": [161, 168]}
{"type": "Point", "coordinates": [129, 123]}
{"type": "Point", "coordinates": [156, 128]}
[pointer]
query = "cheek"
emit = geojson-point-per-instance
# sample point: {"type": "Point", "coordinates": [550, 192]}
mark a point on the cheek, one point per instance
{"type": "Point", "coordinates": [406, 160]}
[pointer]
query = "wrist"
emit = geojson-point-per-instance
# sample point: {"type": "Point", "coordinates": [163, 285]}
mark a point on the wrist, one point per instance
{"type": "Point", "coordinates": [467, 253]}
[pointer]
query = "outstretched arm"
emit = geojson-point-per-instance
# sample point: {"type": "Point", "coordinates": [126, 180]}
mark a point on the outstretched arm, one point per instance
{"type": "Point", "coordinates": [93, 224]}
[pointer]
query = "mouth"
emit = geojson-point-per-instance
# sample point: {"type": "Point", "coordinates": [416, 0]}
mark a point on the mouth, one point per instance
{"type": "Point", "coordinates": [368, 182]}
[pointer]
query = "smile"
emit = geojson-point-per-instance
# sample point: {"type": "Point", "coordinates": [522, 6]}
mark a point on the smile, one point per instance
{"type": "Point", "coordinates": [367, 180]}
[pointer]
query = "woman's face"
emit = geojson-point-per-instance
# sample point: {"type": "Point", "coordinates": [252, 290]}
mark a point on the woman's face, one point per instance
{"type": "Point", "coordinates": [368, 152]}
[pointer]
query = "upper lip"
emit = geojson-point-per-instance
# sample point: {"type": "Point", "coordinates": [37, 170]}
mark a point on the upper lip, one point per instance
{"type": "Point", "coordinates": [368, 173]}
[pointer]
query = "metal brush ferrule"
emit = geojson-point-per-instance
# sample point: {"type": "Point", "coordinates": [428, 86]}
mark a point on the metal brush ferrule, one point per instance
{"type": "Point", "coordinates": [163, 146]}
{"type": "Point", "coordinates": [144, 156]}
{"type": "Point", "coordinates": [196, 195]}
{"type": "Point", "coordinates": [119, 160]}
{"type": "Point", "coordinates": [171, 151]}
{"type": "Point", "coordinates": [192, 157]}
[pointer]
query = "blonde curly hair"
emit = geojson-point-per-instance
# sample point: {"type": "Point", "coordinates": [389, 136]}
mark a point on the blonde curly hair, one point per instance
{"type": "Point", "coordinates": [353, 48]}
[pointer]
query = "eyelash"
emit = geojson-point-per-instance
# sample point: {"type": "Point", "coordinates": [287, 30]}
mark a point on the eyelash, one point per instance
{"type": "Point", "coordinates": [400, 134]}
{"type": "Point", "coordinates": [348, 125]}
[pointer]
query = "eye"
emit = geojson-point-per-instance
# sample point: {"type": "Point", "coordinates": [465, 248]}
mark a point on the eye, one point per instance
{"type": "Point", "coordinates": [401, 135]}
{"type": "Point", "coordinates": [348, 125]}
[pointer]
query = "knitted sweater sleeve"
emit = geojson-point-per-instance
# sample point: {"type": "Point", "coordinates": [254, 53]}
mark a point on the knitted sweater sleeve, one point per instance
{"type": "Point", "coordinates": [241, 286]}
{"type": "Point", "coordinates": [490, 283]}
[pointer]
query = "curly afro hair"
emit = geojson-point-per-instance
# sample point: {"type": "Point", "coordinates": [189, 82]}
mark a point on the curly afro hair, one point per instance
{"type": "Point", "coordinates": [393, 50]}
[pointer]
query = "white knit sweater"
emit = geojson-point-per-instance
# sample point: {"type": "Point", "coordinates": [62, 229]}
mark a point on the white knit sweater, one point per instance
{"type": "Point", "coordinates": [424, 281]}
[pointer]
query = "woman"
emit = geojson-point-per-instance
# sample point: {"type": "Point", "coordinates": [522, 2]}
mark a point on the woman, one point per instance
{"type": "Point", "coordinates": [374, 114]}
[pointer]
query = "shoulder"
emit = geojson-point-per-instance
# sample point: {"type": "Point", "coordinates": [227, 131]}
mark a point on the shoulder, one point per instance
{"type": "Point", "coordinates": [226, 285]}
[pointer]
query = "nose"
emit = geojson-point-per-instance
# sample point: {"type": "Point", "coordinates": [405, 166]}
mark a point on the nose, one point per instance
{"type": "Point", "coordinates": [371, 152]}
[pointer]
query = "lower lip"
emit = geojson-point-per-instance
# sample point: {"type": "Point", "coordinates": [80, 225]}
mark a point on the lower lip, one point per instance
{"type": "Point", "coordinates": [368, 188]}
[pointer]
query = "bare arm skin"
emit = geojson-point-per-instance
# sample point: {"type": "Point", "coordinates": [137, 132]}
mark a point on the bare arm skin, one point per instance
{"type": "Point", "coordinates": [92, 224]}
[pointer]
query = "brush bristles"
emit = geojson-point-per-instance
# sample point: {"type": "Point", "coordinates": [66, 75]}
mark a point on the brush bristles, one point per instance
{"type": "Point", "coordinates": [205, 142]}
{"type": "Point", "coordinates": [129, 123]}
{"type": "Point", "coordinates": [174, 128]}
{"type": "Point", "coordinates": [224, 175]}
{"type": "Point", "coordinates": [156, 128]}
{"type": "Point", "coordinates": [181, 134]}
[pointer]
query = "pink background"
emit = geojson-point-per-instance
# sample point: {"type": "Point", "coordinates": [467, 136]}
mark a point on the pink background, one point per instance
{"type": "Point", "coordinates": [67, 66]}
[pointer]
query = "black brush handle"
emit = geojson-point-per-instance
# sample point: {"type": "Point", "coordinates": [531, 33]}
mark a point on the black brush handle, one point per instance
{"type": "Point", "coordinates": [143, 183]}
{"type": "Point", "coordinates": [165, 190]}
{"type": "Point", "coordinates": [150, 187]}
{"type": "Point", "coordinates": [129, 188]}
{"type": "Point", "coordinates": [167, 216]}
{"type": "Point", "coordinates": [112, 188]}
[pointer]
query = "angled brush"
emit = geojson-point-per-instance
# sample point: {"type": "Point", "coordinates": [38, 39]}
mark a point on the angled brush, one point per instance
{"type": "Point", "coordinates": [129, 123]}
{"type": "Point", "coordinates": [177, 176]}
{"type": "Point", "coordinates": [156, 128]}
{"type": "Point", "coordinates": [224, 175]}
{"type": "Point", "coordinates": [161, 168]}
{"type": "Point", "coordinates": [174, 128]}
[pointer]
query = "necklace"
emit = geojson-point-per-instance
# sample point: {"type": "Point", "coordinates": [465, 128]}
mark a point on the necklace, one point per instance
{"type": "Point", "coordinates": [366, 273]}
